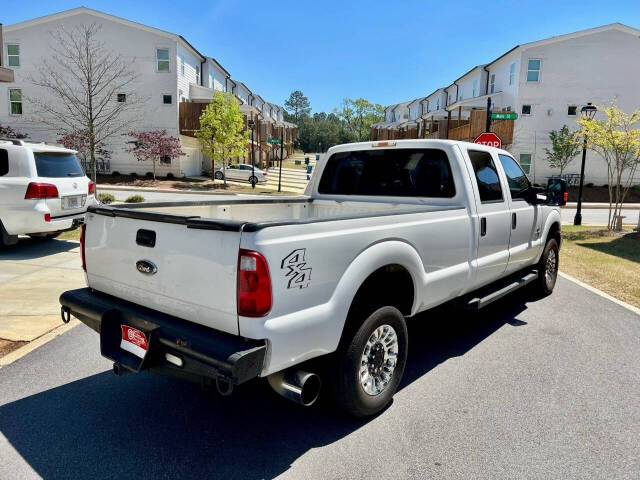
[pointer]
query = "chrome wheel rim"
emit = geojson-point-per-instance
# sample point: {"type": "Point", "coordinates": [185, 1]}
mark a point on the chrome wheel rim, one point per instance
{"type": "Point", "coordinates": [379, 359]}
{"type": "Point", "coordinates": [551, 266]}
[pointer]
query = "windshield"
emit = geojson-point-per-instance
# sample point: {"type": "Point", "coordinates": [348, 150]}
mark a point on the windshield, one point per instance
{"type": "Point", "coordinates": [57, 165]}
{"type": "Point", "coordinates": [403, 172]}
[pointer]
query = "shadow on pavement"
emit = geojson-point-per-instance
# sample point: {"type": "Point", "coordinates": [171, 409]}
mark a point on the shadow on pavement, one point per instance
{"type": "Point", "coordinates": [29, 249]}
{"type": "Point", "coordinates": [143, 426]}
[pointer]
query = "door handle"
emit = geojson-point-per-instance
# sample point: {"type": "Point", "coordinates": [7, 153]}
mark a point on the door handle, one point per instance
{"type": "Point", "coordinates": [146, 238]}
{"type": "Point", "coordinates": [514, 221]}
{"type": "Point", "coordinates": [483, 226]}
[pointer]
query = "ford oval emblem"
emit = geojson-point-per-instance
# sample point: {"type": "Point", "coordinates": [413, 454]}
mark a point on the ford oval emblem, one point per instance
{"type": "Point", "coordinates": [146, 267]}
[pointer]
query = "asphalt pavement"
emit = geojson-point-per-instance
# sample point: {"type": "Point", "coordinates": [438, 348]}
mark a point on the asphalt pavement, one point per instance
{"type": "Point", "coordinates": [530, 388]}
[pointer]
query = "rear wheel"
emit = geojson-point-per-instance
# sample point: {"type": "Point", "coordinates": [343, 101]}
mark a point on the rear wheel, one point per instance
{"type": "Point", "coordinates": [219, 176]}
{"type": "Point", "coordinates": [370, 363]}
{"type": "Point", "coordinates": [548, 267]}
{"type": "Point", "coordinates": [253, 180]}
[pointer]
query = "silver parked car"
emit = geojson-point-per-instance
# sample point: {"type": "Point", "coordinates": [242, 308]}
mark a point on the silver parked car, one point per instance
{"type": "Point", "coordinates": [241, 172]}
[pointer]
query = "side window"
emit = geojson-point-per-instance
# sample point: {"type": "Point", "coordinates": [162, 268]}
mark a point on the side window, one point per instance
{"type": "Point", "coordinates": [518, 181]}
{"type": "Point", "coordinates": [4, 162]}
{"type": "Point", "coordinates": [486, 176]}
{"type": "Point", "coordinates": [162, 59]}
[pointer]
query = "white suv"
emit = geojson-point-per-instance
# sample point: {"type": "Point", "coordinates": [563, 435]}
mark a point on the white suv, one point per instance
{"type": "Point", "coordinates": [43, 190]}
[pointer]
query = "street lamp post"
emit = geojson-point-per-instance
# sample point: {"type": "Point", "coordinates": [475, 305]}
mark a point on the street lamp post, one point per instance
{"type": "Point", "coordinates": [251, 124]}
{"type": "Point", "coordinates": [588, 112]}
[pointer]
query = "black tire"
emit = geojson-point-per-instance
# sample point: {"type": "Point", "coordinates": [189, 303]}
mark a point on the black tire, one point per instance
{"type": "Point", "coordinates": [253, 180]}
{"type": "Point", "coordinates": [548, 268]}
{"type": "Point", "coordinates": [219, 176]}
{"type": "Point", "coordinates": [41, 237]}
{"type": "Point", "coordinates": [345, 379]}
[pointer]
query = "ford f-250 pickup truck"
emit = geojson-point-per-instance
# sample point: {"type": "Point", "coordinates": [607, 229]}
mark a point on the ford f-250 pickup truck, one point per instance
{"type": "Point", "coordinates": [224, 291]}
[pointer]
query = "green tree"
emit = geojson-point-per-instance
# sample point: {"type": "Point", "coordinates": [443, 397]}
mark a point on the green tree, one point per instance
{"type": "Point", "coordinates": [358, 115]}
{"type": "Point", "coordinates": [618, 143]}
{"type": "Point", "coordinates": [564, 148]}
{"type": "Point", "coordinates": [297, 105]}
{"type": "Point", "coordinates": [222, 131]}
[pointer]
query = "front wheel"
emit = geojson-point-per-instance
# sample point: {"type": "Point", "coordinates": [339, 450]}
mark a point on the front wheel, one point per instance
{"type": "Point", "coordinates": [219, 176]}
{"type": "Point", "coordinates": [370, 363]}
{"type": "Point", "coordinates": [253, 180]}
{"type": "Point", "coordinates": [548, 268]}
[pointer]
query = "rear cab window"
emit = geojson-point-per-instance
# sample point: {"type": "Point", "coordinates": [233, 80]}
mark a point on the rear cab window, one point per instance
{"type": "Point", "coordinates": [57, 165]}
{"type": "Point", "coordinates": [402, 172]}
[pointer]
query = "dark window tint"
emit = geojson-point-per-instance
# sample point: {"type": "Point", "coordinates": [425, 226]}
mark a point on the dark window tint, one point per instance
{"type": "Point", "coordinates": [526, 109]}
{"type": "Point", "coordinates": [572, 110]}
{"type": "Point", "coordinates": [389, 172]}
{"type": "Point", "coordinates": [518, 181]}
{"type": "Point", "coordinates": [167, 99]}
{"type": "Point", "coordinates": [57, 165]}
{"type": "Point", "coordinates": [486, 176]}
{"type": "Point", "coordinates": [4, 162]}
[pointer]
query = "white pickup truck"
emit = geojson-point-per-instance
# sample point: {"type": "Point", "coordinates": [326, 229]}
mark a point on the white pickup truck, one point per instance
{"type": "Point", "coordinates": [224, 291]}
{"type": "Point", "coordinates": [43, 190]}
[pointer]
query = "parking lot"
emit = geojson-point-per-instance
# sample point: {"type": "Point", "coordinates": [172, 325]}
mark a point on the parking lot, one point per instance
{"type": "Point", "coordinates": [531, 388]}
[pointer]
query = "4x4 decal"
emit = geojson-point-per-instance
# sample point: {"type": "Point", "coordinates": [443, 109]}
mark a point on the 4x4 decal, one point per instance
{"type": "Point", "coordinates": [296, 269]}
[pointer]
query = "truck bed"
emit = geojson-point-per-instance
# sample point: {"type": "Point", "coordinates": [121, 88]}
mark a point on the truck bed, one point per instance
{"type": "Point", "coordinates": [254, 214]}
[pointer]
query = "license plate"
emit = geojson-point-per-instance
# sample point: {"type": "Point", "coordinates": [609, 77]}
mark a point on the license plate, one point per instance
{"type": "Point", "coordinates": [134, 341]}
{"type": "Point", "coordinates": [73, 201]}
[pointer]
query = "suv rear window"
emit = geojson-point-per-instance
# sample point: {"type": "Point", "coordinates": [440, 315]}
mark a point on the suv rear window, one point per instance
{"type": "Point", "coordinates": [57, 165]}
{"type": "Point", "coordinates": [404, 172]}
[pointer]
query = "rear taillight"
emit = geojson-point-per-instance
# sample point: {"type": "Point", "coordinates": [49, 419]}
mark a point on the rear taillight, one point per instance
{"type": "Point", "coordinates": [92, 188]}
{"type": "Point", "coordinates": [565, 197]}
{"type": "Point", "coordinates": [41, 190]}
{"type": "Point", "coordinates": [264, 174]}
{"type": "Point", "coordinates": [254, 285]}
{"type": "Point", "coordinates": [83, 230]}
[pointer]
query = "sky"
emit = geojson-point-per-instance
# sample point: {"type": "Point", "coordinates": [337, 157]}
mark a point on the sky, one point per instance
{"type": "Point", "coordinates": [384, 51]}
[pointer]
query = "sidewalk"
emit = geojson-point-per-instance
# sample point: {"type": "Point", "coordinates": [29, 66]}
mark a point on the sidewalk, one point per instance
{"type": "Point", "coordinates": [32, 277]}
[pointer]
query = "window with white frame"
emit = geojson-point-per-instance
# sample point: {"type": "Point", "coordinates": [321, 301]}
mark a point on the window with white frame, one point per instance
{"type": "Point", "coordinates": [182, 65]}
{"type": "Point", "coordinates": [162, 59]}
{"type": "Point", "coordinates": [492, 83]}
{"type": "Point", "coordinates": [405, 114]}
{"type": "Point", "coordinates": [475, 88]}
{"type": "Point", "coordinates": [533, 70]}
{"type": "Point", "coordinates": [525, 162]}
{"type": "Point", "coordinates": [512, 73]}
{"type": "Point", "coordinates": [197, 74]}
{"type": "Point", "coordinates": [461, 94]}
{"type": "Point", "coordinates": [15, 101]}
{"type": "Point", "coordinates": [13, 55]}
{"type": "Point", "coordinates": [526, 110]}
{"type": "Point", "coordinates": [572, 110]}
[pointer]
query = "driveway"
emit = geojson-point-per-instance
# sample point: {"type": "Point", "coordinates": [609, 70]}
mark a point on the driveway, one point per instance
{"type": "Point", "coordinates": [530, 388]}
{"type": "Point", "coordinates": [33, 274]}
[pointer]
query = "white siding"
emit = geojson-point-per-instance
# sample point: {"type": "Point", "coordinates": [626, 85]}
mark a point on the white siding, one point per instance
{"type": "Point", "coordinates": [191, 62]}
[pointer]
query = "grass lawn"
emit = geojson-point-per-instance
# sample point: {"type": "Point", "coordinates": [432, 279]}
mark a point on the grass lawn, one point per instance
{"type": "Point", "coordinates": [609, 262]}
{"type": "Point", "coordinates": [70, 235]}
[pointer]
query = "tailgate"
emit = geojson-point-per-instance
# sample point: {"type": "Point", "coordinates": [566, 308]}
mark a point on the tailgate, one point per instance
{"type": "Point", "coordinates": [166, 263]}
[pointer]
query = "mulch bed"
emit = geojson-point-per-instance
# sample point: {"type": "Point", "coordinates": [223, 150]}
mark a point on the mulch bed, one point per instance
{"type": "Point", "coordinates": [601, 195]}
{"type": "Point", "coordinates": [7, 346]}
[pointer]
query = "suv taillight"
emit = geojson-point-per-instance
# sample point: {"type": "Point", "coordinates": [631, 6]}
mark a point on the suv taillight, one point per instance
{"type": "Point", "coordinates": [83, 230]}
{"type": "Point", "coordinates": [92, 188]}
{"type": "Point", "coordinates": [41, 190]}
{"type": "Point", "coordinates": [254, 285]}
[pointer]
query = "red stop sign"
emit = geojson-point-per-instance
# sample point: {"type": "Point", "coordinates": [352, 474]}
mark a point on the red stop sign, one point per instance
{"type": "Point", "coordinates": [489, 139]}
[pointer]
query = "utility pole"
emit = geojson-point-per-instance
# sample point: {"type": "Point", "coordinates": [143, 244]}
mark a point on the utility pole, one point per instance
{"type": "Point", "coordinates": [487, 127]}
{"type": "Point", "coordinates": [281, 149]}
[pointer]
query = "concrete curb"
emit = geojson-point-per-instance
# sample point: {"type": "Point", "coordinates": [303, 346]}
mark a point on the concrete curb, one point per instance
{"type": "Point", "coordinates": [38, 342]}
{"type": "Point", "coordinates": [159, 190]}
{"type": "Point", "coordinates": [626, 305]}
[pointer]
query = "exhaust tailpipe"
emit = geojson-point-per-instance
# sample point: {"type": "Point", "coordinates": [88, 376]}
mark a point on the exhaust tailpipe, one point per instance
{"type": "Point", "coordinates": [301, 387]}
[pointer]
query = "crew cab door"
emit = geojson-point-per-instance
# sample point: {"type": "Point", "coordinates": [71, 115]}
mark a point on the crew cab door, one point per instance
{"type": "Point", "coordinates": [493, 218]}
{"type": "Point", "coordinates": [525, 217]}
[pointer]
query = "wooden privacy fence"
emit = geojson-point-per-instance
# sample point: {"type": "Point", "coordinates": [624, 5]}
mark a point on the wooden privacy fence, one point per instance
{"type": "Point", "coordinates": [189, 117]}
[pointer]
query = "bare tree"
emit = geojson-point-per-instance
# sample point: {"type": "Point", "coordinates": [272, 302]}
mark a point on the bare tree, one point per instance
{"type": "Point", "coordinates": [90, 88]}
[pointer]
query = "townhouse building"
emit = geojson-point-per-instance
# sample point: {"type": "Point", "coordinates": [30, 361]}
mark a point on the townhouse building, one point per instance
{"type": "Point", "coordinates": [6, 74]}
{"type": "Point", "coordinates": [174, 83]}
{"type": "Point", "coordinates": [546, 83]}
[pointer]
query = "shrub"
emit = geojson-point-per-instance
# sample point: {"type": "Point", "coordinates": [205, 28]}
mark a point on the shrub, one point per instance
{"type": "Point", "coordinates": [605, 185]}
{"type": "Point", "coordinates": [590, 184]}
{"type": "Point", "coordinates": [115, 173]}
{"type": "Point", "coordinates": [170, 175]}
{"type": "Point", "coordinates": [135, 199]}
{"type": "Point", "coordinates": [636, 187]}
{"type": "Point", "coordinates": [149, 174]}
{"type": "Point", "coordinates": [133, 174]}
{"type": "Point", "coordinates": [106, 198]}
